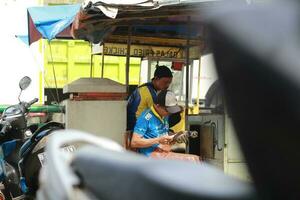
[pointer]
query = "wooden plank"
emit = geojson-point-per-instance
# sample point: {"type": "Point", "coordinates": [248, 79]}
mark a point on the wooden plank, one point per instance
{"type": "Point", "coordinates": [98, 96]}
{"type": "Point", "coordinates": [153, 41]}
{"type": "Point", "coordinates": [206, 142]}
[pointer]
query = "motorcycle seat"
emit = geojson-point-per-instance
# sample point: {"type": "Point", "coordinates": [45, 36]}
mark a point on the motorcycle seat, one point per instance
{"type": "Point", "coordinates": [38, 134]}
{"type": "Point", "coordinates": [116, 175]}
{"type": "Point", "coordinates": [30, 144]}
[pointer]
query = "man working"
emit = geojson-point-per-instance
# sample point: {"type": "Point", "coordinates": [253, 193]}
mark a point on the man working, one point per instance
{"type": "Point", "coordinates": [151, 132]}
{"type": "Point", "coordinates": [143, 97]}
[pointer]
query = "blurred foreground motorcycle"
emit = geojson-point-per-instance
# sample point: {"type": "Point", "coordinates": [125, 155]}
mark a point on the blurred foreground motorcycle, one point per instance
{"type": "Point", "coordinates": [101, 169]}
{"type": "Point", "coordinates": [21, 148]}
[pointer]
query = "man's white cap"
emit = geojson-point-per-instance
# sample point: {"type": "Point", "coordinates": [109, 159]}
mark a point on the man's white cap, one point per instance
{"type": "Point", "coordinates": [168, 99]}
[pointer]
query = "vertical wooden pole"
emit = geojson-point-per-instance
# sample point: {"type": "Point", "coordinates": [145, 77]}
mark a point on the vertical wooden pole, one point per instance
{"type": "Point", "coordinates": [91, 70]}
{"type": "Point", "coordinates": [187, 69]}
{"type": "Point", "coordinates": [102, 63]}
{"type": "Point", "coordinates": [128, 58]}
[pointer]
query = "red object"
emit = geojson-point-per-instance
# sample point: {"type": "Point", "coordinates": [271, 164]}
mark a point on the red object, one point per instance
{"type": "Point", "coordinates": [177, 66]}
{"type": "Point", "coordinates": [34, 34]}
{"type": "Point", "coordinates": [36, 115]}
{"type": "Point", "coordinates": [2, 197]}
{"type": "Point", "coordinates": [98, 96]}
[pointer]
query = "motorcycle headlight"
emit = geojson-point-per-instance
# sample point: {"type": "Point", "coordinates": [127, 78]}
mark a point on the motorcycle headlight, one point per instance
{"type": "Point", "coordinates": [12, 110]}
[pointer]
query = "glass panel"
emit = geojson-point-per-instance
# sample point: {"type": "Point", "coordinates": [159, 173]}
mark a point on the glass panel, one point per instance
{"type": "Point", "coordinates": [176, 85]}
{"type": "Point", "coordinates": [194, 80]}
{"type": "Point", "coordinates": [144, 72]}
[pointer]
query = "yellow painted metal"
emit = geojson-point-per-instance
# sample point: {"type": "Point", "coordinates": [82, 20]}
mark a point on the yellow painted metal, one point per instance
{"type": "Point", "coordinates": [114, 69]}
{"type": "Point", "coordinates": [180, 126]}
{"type": "Point", "coordinates": [41, 84]}
{"type": "Point", "coordinates": [41, 88]}
{"type": "Point", "coordinates": [72, 60]}
{"type": "Point", "coordinates": [197, 110]}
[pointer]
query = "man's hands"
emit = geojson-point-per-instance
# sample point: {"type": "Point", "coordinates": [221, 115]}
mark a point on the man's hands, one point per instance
{"type": "Point", "coordinates": [165, 142]}
{"type": "Point", "coordinates": [165, 139]}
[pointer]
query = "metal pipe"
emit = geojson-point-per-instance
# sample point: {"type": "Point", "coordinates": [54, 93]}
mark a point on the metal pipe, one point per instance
{"type": "Point", "coordinates": [102, 64]}
{"type": "Point", "coordinates": [198, 89]}
{"type": "Point", "coordinates": [128, 57]}
{"type": "Point", "coordinates": [91, 70]}
{"type": "Point", "coordinates": [187, 80]}
{"type": "Point", "coordinates": [53, 70]}
{"type": "Point", "coordinates": [149, 70]}
{"type": "Point", "coordinates": [35, 109]}
{"type": "Point", "coordinates": [191, 82]}
{"type": "Point", "coordinates": [187, 71]}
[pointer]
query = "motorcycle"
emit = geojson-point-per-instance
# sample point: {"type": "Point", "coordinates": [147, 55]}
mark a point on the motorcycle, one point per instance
{"type": "Point", "coordinates": [102, 169]}
{"type": "Point", "coordinates": [21, 147]}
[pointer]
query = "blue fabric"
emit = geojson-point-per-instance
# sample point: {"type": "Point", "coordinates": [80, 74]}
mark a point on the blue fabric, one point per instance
{"type": "Point", "coordinates": [24, 147]}
{"type": "Point", "coordinates": [8, 147]}
{"type": "Point", "coordinates": [2, 170]}
{"type": "Point", "coordinates": [152, 91]}
{"type": "Point", "coordinates": [23, 185]}
{"type": "Point", "coordinates": [132, 105]}
{"type": "Point", "coordinates": [42, 134]}
{"type": "Point", "coordinates": [148, 126]}
{"type": "Point", "coordinates": [134, 102]}
{"type": "Point", "coordinates": [23, 38]}
{"type": "Point", "coordinates": [51, 20]}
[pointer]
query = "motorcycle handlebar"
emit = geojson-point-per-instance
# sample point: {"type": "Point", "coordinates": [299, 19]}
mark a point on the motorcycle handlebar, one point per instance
{"type": "Point", "coordinates": [32, 102]}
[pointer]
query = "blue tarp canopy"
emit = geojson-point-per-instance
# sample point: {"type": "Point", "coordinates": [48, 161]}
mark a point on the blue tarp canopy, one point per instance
{"type": "Point", "coordinates": [49, 21]}
{"type": "Point", "coordinates": [23, 38]}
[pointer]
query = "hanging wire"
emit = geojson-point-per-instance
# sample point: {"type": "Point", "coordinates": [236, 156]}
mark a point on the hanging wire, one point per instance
{"type": "Point", "coordinates": [52, 62]}
{"type": "Point", "coordinates": [46, 82]}
{"type": "Point", "coordinates": [51, 92]}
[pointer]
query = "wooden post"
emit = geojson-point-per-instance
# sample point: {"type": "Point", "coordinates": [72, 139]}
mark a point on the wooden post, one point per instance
{"type": "Point", "coordinates": [128, 58]}
{"type": "Point", "coordinates": [187, 72]}
{"type": "Point", "coordinates": [102, 63]}
{"type": "Point", "coordinates": [91, 70]}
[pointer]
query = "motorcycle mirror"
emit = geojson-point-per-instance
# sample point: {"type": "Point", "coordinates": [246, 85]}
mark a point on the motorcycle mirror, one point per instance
{"type": "Point", "coordinates": [24, 82]}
